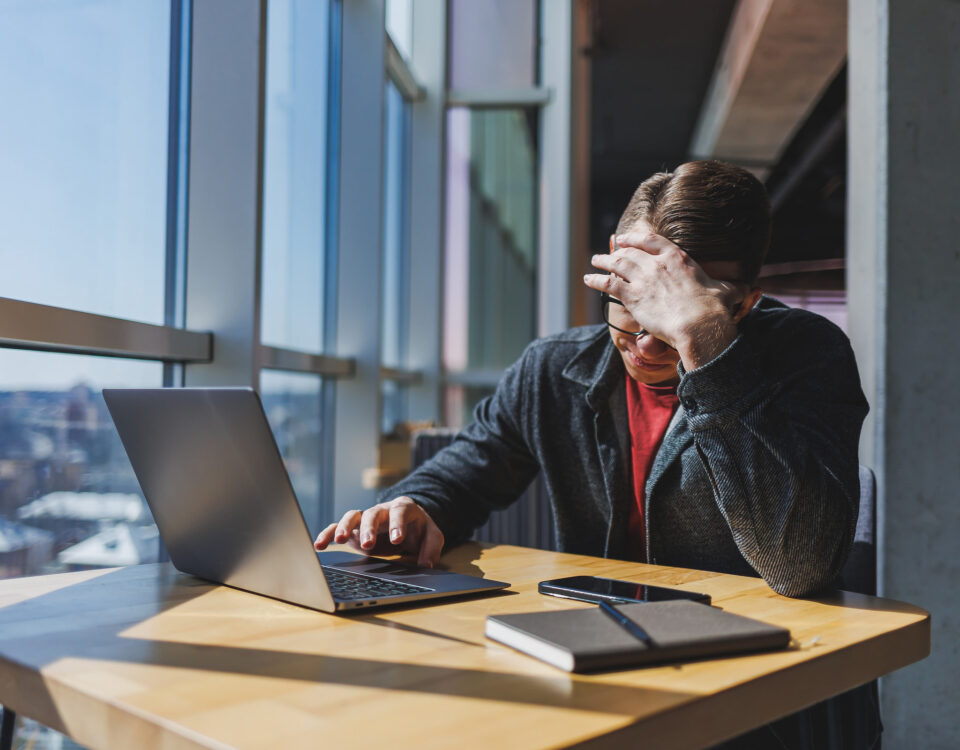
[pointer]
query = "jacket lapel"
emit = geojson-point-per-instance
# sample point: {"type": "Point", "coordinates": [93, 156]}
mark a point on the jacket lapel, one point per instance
{"type": "Point", "coordinates": [600, 370]}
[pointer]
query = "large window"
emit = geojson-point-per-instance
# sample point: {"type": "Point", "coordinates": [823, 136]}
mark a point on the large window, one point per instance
{"type": "Point", "coordinates": [84, 217]}
{"type": "Point", "coordinates": [68, 497]}
{"type": "Point", "coordinates": [295, 174]}
{"type": "Point", "coordinates": [492, 45]}
{"type": "Point", "coordinates": [294, 406]}
{"type": "Point", "coordinates": [490, 256]}
{"type": "Point", "coordinates": [296, 259]}
{"type": "Point", "coordinates": [491, 252]}
{"type": "Point", "coordinates": [83, 162]}
{"type": "Point", "coordinates": [394, 269]}
{"type": "Point", "coordinates": [162, 247]}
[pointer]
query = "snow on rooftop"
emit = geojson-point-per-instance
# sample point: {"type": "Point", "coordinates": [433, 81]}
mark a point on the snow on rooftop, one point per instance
{"type": "Point", "coordinates": [86, 506]}
{"type": "Point", "coordinates": [122, 544]}
{"type": "Point", "coordinates": [14, 536]}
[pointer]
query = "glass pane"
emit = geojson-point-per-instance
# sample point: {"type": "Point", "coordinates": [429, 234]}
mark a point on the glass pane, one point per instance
{"type": "Point", "coordinates": [493, 44]}
{"type": "Point", "coordinates": [295, 173]}
{"type": "Point", "coordinates": [293, 403]}
{"type": "Point", "coordinates": [83, 170]}
{"type": "Point", "coordinates": [491, 228]}
{"type": "Point", "coordinates": [831, 304]}
{"type": "Point", "coordinates": [396, 201]}
{"type": "Point", "coordinates": [69, 499]}
{"type": "Point", "coordinates": [459, 403]}
{"type": "Point", "coordinates": [399, 22]}
{"type": "Point", "coordinates": [394, 409]}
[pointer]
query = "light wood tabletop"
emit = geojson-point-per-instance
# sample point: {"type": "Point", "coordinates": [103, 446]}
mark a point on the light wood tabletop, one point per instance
{"type": "Point", "coordinates": [145, 657]}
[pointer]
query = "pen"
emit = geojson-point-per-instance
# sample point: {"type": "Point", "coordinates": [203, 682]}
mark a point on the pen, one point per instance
{"type": "Point", "coordinates": [627, 624]}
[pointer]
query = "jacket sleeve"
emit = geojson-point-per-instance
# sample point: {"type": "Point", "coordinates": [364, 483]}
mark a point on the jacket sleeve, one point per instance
{"type": "Point", "coordinates": [776, 422]}
{"type": "Point", "coordinates": [485, 468]}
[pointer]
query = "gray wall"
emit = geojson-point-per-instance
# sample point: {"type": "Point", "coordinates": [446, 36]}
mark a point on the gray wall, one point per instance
{"type": "Point", "coordinates": [904, 295]}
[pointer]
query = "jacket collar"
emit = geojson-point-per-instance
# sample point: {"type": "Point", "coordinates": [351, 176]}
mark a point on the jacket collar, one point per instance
{"type": "Point", "coordinates": [597, 367]}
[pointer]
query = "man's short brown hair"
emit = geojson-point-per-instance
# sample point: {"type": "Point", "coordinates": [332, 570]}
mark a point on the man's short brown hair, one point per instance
{"type": "Point", "coordinates": [713, 210]}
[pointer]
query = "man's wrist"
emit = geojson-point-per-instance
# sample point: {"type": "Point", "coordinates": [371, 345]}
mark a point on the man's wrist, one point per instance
{"type": "Point", "coordinates": [705, 340]}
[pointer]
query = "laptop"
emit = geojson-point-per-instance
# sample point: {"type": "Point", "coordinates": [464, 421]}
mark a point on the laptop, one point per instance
{"type": "Point", "coordinates": [220, 495]}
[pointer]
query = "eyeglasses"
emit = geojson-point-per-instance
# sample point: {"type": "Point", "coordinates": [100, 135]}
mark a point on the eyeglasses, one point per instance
{"type": "Point", "coordinates": [605, 301]}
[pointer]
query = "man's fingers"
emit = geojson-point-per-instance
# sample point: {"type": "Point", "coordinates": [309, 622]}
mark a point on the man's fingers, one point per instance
{"type": "Point", "coordinates": [325, 537]}
{"type": "Point", "coordinates": [370, 525]}
{"type": "Point", "coordinates": [430, 547]}
{"type": "Point", "coordinates": [349, 522]}
{"type": "Point", "coordinates": [619, 263]}
{"type": "Point", "coordinates": [647, 241]}
{"type": "Point", "coordinates": [604, 283]}
{"type": "Point", "coordinates": [402, 514]}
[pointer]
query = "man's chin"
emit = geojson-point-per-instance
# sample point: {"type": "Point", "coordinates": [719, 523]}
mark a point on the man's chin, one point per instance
{"type": "Point", "coordinates": [665, 375]}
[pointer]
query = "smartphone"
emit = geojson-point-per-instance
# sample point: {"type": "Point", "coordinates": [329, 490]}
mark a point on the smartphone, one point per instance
{"type": "Point", "coordinates": [595, 589]}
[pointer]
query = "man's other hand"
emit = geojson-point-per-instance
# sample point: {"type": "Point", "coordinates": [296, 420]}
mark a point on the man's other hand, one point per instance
{"type": "Point", "coordinates": [397, 527]}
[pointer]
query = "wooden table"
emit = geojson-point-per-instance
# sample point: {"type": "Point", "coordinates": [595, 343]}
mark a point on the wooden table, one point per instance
{"type": "Point", "coordinates": [145, 657]}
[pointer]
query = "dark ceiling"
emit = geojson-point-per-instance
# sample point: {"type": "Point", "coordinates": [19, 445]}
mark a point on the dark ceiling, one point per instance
{"type": "Point", "coordinates": [652, 62]}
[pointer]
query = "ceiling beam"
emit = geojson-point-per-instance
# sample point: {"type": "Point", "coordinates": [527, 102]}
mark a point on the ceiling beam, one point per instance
{"type": "Point", "coordinates": [778, 57]}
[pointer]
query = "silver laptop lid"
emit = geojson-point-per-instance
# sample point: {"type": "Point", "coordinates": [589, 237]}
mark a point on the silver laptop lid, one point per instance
{"type": "Point", "coordinates": [219, 492]}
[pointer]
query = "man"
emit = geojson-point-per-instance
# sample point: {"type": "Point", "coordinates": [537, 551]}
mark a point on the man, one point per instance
{"type": "Point", "coordinates": [704, 426]}
{"type": "Point", "coordinates": [758, 473]}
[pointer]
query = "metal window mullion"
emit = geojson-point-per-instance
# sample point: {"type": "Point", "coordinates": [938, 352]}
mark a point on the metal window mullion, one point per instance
{"type": "Point", "coordinates": [292, 360]}
{"type": "Point", "coordinates": [27, 325]}
{"type": "Point", "coordinates": [401, 376]}
{"type": "Point", "coordinates": [178, 124]}
{"type": "Point", "coordinates": [534, 96]}
{"type": "Point", "coordinates": [400, 72]}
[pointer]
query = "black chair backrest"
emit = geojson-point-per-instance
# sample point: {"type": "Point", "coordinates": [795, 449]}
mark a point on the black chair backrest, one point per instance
{"type": "Point", "coordinates": [860, 571]}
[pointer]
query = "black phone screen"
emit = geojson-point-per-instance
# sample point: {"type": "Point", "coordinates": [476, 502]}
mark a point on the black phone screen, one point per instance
{"type": "Point", "coordinates": [593, 588]}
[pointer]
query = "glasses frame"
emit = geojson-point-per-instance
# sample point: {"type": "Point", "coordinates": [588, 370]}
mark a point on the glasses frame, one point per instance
{"type": "Point", "coordinates": [604, 300]}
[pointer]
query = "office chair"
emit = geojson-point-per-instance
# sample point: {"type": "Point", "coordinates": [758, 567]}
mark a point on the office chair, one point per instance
{"type": "Point", "coordinates": [859, 574]}
{"type": "Point", "coordinates": [6, 729]}
{"type": "Point", "coordinates": [853, 717]}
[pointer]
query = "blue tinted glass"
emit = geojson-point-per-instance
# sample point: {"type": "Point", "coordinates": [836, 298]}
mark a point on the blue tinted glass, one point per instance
{"type": "Point", "coordinates": [69, 499]}
{"type": "Point", "coordinates": [491, 238]}
{"type": "Point", "coordinates": [399, 24]}
{"type": "Point", "coordinates": [293, 403]}
{"type": "Point", "coordinates": [493, 44]}
{"type": "Point", "coordinates": [396, 201]}
{"type": "Point", "coordinates": [83, 167]}
{"type": "Point", "coordinates": [295, 173]}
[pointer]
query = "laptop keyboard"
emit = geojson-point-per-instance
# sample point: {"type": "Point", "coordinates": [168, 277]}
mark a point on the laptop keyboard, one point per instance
{"type": "Point", "coordinates": [346, 586]}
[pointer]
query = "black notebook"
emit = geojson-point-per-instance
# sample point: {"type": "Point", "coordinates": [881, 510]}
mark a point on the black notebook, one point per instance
{"type": "Point", "coordinates": [580, 640]}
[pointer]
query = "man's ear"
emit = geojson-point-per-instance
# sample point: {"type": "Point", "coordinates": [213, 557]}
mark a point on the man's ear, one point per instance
{"type": "Point", "coordinates": [751, 298]}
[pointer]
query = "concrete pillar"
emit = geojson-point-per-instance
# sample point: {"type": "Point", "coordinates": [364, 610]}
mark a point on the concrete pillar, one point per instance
{"type": "Point", "coordinates": [903, 246]}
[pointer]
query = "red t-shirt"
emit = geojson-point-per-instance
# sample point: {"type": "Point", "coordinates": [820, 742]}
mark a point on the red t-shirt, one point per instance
{"type": "Point", "coordinates": [649, 410]}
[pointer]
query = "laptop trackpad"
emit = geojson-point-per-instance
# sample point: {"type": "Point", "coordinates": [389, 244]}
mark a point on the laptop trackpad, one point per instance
{"type": "Point", "coordinates": [372, 565]}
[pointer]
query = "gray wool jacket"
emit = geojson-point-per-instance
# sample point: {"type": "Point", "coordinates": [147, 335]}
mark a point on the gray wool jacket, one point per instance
{"type": "Point", "coordinates": [757, 474]}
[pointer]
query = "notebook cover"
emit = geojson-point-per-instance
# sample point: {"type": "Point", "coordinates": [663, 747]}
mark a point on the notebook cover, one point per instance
{"type": "Point", "coordinates": [580, 640]}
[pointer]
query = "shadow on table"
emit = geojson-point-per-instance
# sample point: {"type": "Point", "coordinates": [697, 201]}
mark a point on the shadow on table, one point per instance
{"type": "Point", "coordinates": [87, 619]}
